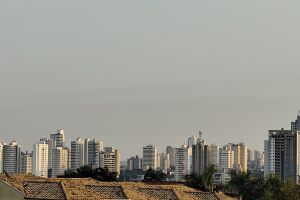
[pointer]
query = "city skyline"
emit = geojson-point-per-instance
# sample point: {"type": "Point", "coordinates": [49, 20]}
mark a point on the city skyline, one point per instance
{"type": "Point", "coordinates": [148, 72]}
{"type": "Point", "coordinates": [68, 141]}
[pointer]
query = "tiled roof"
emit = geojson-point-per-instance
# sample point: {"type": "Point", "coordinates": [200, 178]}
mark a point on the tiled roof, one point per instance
{"type": "Point", "coordinates": [165, 194]}
{"type": "Point", "coordinates": [202, 195]}
{"type": "Point", "coordinates": [90, 189]}
{"type": "Point", "coordinates": [44, 190]}
{"type": "Point", "coordinates": [111, 192]}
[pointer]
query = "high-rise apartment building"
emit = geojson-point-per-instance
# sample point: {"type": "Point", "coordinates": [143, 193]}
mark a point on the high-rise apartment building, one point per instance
{"type": "Point", "coordinates": [40, 159]}
{"type": "Point", "coordinates": [200, 158]}
{"type": "Point", "coordinates": [60, 161]}
{"type": "Point", "coordinates": [111, 160]}
{"type": "Point", "coordinates": [282, 154]}
{"type": "Point", "coordinates": [183, 162]}
{"type": "Point", "coordinates": [244, 156]}
{"type": "Point", "coordinates": [93, 148]}
{"type": "Point", "coordinates": [226, 158]}
{"type": "Point", "coordinates": [171, 151]}
{"type": "Point", "coordinates": [134, 163]}
{"type": "Point", "coordinates": [164, 162]}
{"type": "Point", "coordinates": [77, 153]}
{"type": "Point", "coordinates": [51, 144]}
{"type": "Point", "coordinates": [1, 155]}
{"type": "Point", "coordinates": [58, 138]}
{"type": "Point", "coordinates": [213, 154]}
{"type": "Point", "coordinates": [26, 162]}
{"type": "Point", "coordinates": [158, 161]}
{"type": "Point", "coordinates": [240, 156]}
{"type": "Point", "coordinates": [295, 125]}
{"type": "Point", "coordinates": [149, 157]}
{"type": "Point", "coordinates": [12, 158]}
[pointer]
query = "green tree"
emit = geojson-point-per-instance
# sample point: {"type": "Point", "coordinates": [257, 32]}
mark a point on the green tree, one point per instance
{"type": "Point", "coordinates": [154, 175]}
{"type": "Point", "coordinates": [207, 177]}
{"type": "Point", "coordinates": [194, 181]}
{"type": "Point", "coordinates": [87, 171]}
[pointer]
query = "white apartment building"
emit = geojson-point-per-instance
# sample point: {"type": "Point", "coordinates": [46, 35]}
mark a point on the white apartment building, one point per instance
{"type": "Point", "coordinates": [77, 153]}
{"type": "Point", "coordinates": [111, 160]}
{"type": "Point", "coordinates": [183, 162]}
{"type": "Point", "coordinates": [149, 157]}
{"type": "Point", "coordinates": [51, 145]}
{"type": "Point", "coordinates": [40, 159]}
{"type": "Point", "coordinates": [226, 159]}
{"type": "Point", "coordinates": [60, 161]}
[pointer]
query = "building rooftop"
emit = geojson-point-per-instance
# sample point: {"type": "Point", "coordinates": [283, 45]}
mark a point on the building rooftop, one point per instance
{"type": "Point", "coordinates": [89, 189]}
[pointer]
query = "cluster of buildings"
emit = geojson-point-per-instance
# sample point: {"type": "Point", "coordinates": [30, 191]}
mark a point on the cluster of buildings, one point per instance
{"type": "Point", "coordinates": [51, 157]}
{"type": "Point", "coordinates": [196, 156]}
{"type": "Point", "coordinates": [282, 152]}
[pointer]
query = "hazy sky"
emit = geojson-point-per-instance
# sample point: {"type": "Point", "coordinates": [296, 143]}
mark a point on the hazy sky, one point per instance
{"type": "Point", "coordinates": [134, 72]}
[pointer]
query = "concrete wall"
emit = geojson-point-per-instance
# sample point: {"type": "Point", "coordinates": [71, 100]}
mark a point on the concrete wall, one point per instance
{"type": "Point", "coordinates": [8, 193]}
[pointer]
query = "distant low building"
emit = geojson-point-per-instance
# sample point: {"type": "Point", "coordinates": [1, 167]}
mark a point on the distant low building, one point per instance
{"type": "Point", "coordinates": [134, 163]}
{"type": "Point", "coordinates": [222, 178]}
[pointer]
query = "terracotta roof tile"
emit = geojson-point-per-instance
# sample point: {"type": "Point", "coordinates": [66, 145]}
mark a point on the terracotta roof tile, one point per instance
{"type": "Point", "coordinates": [44, 190]}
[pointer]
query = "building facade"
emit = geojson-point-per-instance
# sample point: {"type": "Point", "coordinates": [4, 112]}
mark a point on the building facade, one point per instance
{"type": "Point", "coordinates": [183, 162]}
{"type": "Point", "coordinates": [60, 161]}
{"type": "Point", "coordinates": [110, 160]}
{"type": "Point", "coordinates": [51, 144]}
{"type": "Point", "coordinates": [199, 158]}
{"type": "Point", "coordinates": [12, 158]}
{"type": "Point", "coordinates": [226, 158]}
{"type": "Point", "coordinates": [1, 155]}
{"type": "Point", "coordinates": [134, 163]}
{"type": "Point", "coordinates": [171, 151]}
{"type": "Point", "coordinates": [26, 162]}
{"type": "Point", "coordinates": [93, 148]}
{"type": "Point", "coordinates": [77, 153]}
{"type": "Point", "coordinates": [213, 154]}
{"type": "Point", "coordinates": [283, 154]}
{"type": "Point", "coordinates": [164, 162]}
{"type": "Point", "coordinates": [40, 159]}
{"type": "Point", "coordinates": [149, 157]}
{"type": "Point", "coordinates": [58, 138]}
